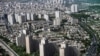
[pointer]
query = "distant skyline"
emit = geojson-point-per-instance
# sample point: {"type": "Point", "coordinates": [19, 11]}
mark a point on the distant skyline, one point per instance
{"type": "Point", "coordinates": [89, 1]}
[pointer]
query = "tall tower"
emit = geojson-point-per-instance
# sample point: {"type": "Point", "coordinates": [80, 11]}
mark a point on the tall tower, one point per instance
{"type": "Point", "coordinates": [10, 19]}
{"type": "Point", "coordinates": [32, 16]}
{"type": "Point", "coordinates": [28, 16]}
{"type": "Point", "coordinates": [57, 14]}
{"type": "Point", "coordinates": [57, 19]}
{"type": "Point", "coordinates": [39, 16]}
{"type": "Point", "coordinates": [42, 47]}
{"type": "Point", "coordinates": [20, 40]}
{"type": "Point", "coordinates": [28, 44]}
{"type": "Point", "coordinates": [74, 8]}
{"type": "Point", "coordinates": [18, 18]}
{"type": "Point", "coordinates": [62, 49]}
{"type": "Point", "coordinates": [46, 17]}
{"type": "Point", "coordinates": [23, 17]}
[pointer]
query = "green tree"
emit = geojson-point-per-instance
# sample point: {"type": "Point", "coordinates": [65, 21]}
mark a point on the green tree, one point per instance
{"type": "Point", "coordinates": [80, 16]}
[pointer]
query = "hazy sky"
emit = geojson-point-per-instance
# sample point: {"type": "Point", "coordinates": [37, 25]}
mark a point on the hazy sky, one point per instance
{"type": "Point", "coordinates": [91, 1]}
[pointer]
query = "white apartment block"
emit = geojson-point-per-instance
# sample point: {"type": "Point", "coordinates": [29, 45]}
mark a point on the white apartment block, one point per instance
{"type": "Point", "coordinates": [62, 49]}
{"type": "Point", "coordinates": [11, 19]}
{"type": "Point", "coordinates": [46, 17]}
{"type": "Point", "coordinates": [28, 16]}
{"type": "Point", "coordinates": [74, 8]}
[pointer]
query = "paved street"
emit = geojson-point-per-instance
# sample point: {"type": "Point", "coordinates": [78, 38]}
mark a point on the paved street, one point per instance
{"type": "Point", "coordinates": [7, 48]}
{"type": "Point", "coordinates": [92, 50]}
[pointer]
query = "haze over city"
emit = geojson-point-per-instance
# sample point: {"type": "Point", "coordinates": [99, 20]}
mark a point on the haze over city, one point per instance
{"type": "Point", "coordinates": [49, 28]}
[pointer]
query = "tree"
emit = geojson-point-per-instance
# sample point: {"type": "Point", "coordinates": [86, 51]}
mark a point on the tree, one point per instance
{"type": "Point", "coordinates": [63, 21]}
{"type": "Point", "coordinates": [80, 16]}
{"type": "Point", "coordinates": [36, 53]}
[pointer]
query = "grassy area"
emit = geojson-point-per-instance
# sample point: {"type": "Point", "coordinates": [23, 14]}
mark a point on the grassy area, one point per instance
{"type": "Point", "coordinates": [96, 23]}
{"type": "Point", "coordinates": [21, 51]}
{"type": "Point", "coordinates": [4, 39]}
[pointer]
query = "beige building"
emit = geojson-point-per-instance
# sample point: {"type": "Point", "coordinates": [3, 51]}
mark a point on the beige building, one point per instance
{"type": "Point", "coordinates": [28, 44]}
{"type": "Point", "coordinates": [62, 49]}
{"type": "Point", "coordinates": [42, 47]}
{"type": "Point", "coordinates": [20, 40]}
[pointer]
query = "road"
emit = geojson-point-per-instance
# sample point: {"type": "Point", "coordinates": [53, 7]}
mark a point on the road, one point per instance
{"type": "Point", "coordinates": [7, 48]}
{"type": "Point", "coordinates": [92, 50]}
